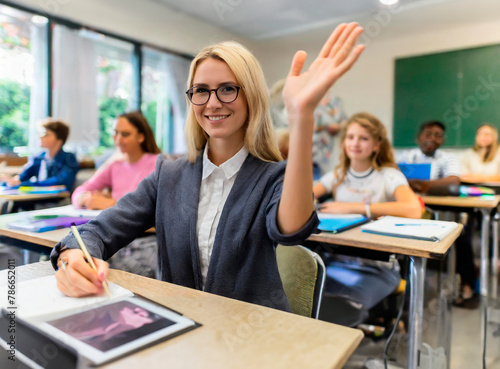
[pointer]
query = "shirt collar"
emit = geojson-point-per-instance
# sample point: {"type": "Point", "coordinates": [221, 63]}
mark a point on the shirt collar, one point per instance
{"type": "Point", "coordinates": [230, 167]}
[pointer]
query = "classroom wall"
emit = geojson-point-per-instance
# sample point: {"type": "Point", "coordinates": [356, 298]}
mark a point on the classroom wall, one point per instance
{"type": "Point", "coordinates": [369, 85]}
{"type": "Point", "coordinates": [142, 20]}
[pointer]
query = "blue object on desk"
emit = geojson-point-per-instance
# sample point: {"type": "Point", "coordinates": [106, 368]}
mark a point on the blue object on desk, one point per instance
{"type": "Point", "coordinates": [44, 225]}
{"type": "Point", "coordinates": [339, 223]}
{"type": "Point", "coordinates": [416, 171]}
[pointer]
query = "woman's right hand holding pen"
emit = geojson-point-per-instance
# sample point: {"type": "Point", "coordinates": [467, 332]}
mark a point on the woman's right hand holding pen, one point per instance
{"type": "Point", "coordinates": [76, 278]}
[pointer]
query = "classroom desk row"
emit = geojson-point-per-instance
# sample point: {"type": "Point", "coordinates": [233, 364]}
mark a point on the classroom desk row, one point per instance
{"type": "Point", "coordinates": [418, 251]}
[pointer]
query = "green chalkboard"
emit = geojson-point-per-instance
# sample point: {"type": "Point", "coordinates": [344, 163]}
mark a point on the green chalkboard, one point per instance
{"type": "Point", "coordinates": [460, 88]}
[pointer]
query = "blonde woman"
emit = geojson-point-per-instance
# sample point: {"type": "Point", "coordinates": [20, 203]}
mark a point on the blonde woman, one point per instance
{"type": "Point", "coordinates": [220, 212]}
{"type": "Point", "coordinates": [482, 162]}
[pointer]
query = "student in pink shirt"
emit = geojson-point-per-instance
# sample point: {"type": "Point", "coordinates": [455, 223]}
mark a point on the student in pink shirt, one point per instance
{"type": "Point", "coordinates": [135, 140]}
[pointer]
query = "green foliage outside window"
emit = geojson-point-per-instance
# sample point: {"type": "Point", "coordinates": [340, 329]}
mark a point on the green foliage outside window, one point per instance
{"type": "Point", "coordinates": [14, 115]}
{"type": "Point", "coordinates": [110, 109]}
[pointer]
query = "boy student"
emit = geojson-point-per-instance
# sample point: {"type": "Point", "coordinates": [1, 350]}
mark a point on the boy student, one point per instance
{"type": "Point", "coordinates": [220, 212]}
{"type": "Point", "coordinates": [52, 167]}
{"type": "Point", "coordinates": [445, 170]}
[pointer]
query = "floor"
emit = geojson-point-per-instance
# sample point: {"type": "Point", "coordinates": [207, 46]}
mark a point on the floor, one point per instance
{"type": "Point", "coordinates": [465, 338]}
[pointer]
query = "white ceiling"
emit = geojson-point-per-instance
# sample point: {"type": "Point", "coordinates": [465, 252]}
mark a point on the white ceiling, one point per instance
{"type": "Point", "coordinates": [266, 19]}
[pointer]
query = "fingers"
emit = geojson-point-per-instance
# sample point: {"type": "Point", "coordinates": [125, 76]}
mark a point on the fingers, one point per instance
{"type": "Point", "coordinates": [341, 41]}
{"type": "Point", "coordinates": [345, 46]}
{"type": "Point", "coordinates": [325, 51]}
{"type": "Point", "coordinates": [77, 278]}
{"type": "Point", "coordinates": [102, 269]}
{"type": "Point", "coordinates": [297, 63]}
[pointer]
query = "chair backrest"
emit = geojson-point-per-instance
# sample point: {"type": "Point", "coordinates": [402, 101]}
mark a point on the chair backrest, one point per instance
{"type": "Point", "coordinates": [302, 272]}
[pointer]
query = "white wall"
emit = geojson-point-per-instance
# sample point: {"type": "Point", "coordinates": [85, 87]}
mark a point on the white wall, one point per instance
{"type": "Point", "coordinates": [137, 19]}
{"type": "Point", "coordinates": [369, 85]}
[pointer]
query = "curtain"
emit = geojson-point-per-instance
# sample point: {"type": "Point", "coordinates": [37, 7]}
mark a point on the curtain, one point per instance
{"type": "Point", "coordinates": [38, 97]}
{"type": "Point", "coordinates": [75, 87]}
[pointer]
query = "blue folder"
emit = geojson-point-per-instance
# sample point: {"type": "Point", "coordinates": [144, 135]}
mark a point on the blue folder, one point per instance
{"type": "Point", "coordinates": [416, 171]}
{"type": "Point", "coordinates": [338, 223]}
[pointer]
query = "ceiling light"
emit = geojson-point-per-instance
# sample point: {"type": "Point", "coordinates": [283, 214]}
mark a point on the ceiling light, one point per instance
{"type": "Point", "coordinates": [389, 2]}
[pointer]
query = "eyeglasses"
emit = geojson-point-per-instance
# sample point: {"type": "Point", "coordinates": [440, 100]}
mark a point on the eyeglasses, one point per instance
{"type": "Point", "coordinates": [225, 94]}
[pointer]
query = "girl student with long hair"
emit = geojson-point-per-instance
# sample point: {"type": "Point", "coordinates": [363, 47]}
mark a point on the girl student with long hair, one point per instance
{"type": "Point", "coordinates": [366, 181]}
{"type": "Point", "coordinates": [220, 212]}
{"type": "Point", "coordinates": [135, 140]}
{"type": "Point", "coordinates": [482, 162]}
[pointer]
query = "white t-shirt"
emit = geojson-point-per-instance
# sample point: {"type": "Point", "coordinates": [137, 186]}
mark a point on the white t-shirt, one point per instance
{"type": "Point", "coordinates": [472, 163]}
{"type": "Point", "coordinates": [371, 185]}
{"type": "Point", "coordinates": [442, 164]}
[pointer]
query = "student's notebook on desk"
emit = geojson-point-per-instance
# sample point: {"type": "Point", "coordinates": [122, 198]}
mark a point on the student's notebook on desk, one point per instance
{"type": "Point", "coordinates": [49, 223]}
{"type": "Point", "coordinates": [337, 223]}
{"type": "Point", "coordinates": [93, 330]}
{"type": "Point", "coordinates": [418, 229]}
{"type": "Point", "coordinates": [42, 189]}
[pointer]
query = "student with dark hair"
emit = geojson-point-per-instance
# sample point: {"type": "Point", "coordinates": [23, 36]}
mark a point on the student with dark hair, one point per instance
{"type": "Point", "coordinates": [221, 211]}
{"type": "Point", "coordinates": [445, 168]}
{"type": "Point", "coordinates": [54, 166]}
{"type": "Point", "coordinates": [134, 138]}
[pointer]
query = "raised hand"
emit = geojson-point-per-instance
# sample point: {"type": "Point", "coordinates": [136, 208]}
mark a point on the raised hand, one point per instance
{"type": "Point", "coordinates": [303, 91]}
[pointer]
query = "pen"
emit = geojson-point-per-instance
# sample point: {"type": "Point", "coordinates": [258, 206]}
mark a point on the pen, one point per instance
{"type": "Point", "coordinates": [87, 256]}
{"type": "Point", "coordinates": [414, 224]}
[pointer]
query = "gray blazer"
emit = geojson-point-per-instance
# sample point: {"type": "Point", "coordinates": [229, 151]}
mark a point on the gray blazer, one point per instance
{"type": "Point", "coordinates": [243, 262]}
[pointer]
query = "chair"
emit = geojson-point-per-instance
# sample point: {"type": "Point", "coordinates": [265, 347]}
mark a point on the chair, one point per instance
{"type": "Point", "coordinates": [302, 272]}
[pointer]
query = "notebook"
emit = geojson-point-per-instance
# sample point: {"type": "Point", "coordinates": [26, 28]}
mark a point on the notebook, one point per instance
{"type": "Point", "coordinates": [35, 224]}
{"type": "Point", "coordinates": [93, 330]}
{"type": "Point", "coordinates": [416, 171]}
{"type": "Point", "coordinates": [418, 229]}
{"type": "Point", "coordinates": [336, 223]}
{"type": "Point", "coordinates": [42, 189]}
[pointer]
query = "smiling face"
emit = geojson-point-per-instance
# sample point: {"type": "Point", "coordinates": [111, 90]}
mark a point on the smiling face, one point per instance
{"type": "Point", "coordinates": [485, 137]}
{"type": "Point", "coordinates": [430, 139]}
{"type": "Point", "coordinates": [359, 144]}
{"type": "Point", "coordinates": [127, 136]}
{"type": "Point", "coordinates": [221, 121]}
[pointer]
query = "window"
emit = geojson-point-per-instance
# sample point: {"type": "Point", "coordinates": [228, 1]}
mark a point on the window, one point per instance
{"type": "Point", "coordinates": [164, 78]}
{"type": "Point", "coordinates": [23, 77]}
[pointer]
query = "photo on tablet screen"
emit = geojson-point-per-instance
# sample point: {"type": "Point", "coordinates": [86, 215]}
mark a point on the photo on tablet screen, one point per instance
{"type": "Point", "coordinates": [110, 326]}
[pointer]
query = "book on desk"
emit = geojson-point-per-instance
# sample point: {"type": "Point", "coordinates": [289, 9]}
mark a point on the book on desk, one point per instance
{"type": "Point", "coordinates": [47, 223]}
{"type": "Point", "coordinates": [418, 229]}
{"type": "Point", "coordinates": [337, 223]}
{"type": "Point", "coordinates": [92, 330]}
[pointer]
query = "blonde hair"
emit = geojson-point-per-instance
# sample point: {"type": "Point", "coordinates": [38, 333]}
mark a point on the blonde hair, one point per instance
{"type": "Point", "coordinates": [260, 138]}
{"type": "Point", "coordinates": [383, 157]}
{"type": "Point", "coordinates": [492, 149]}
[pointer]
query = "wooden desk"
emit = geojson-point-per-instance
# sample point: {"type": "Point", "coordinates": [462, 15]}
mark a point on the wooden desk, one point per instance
{"type": "Point", "coordinates": [234, 334]}
{"type": "Point", "coordinates": [489, 202]}
{"type": "Point", "coordinates": [418, 252]}
{"type": "Point", "coordinates": [50, 238]}
{"type": "Point", "coordinates": [356, 238]}
{"type": "Point", "coordinates": [34, 196]}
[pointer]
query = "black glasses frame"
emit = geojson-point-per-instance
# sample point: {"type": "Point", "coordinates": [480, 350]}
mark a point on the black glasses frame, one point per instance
{"type": "Point", "coordinates": [189, 94]}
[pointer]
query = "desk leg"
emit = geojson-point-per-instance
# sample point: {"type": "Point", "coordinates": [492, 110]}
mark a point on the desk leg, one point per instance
{"type": "Point", "coordinates": [494, 259]}
{"type": "Point", "coordinates": [417, 277]}
{"type": "Point", "coordinates": [485, 240]}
